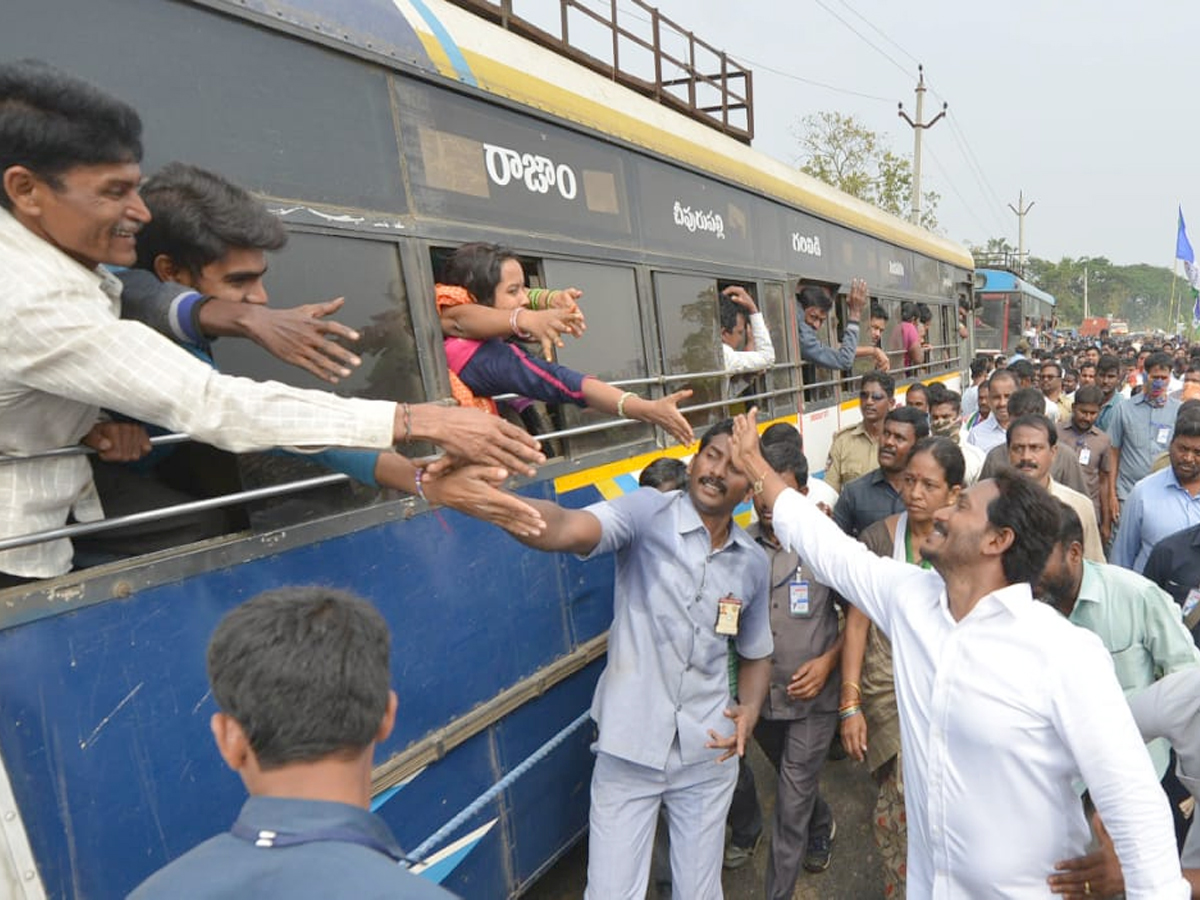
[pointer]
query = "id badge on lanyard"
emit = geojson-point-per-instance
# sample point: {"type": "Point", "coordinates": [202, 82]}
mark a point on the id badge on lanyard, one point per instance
{"type": "Point", "coordinates": [798, 600]}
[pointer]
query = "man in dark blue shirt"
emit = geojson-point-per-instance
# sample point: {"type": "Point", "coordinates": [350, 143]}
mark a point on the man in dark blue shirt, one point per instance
{"type": "Point", "coordinates": [300, 677]}
{"type": "Point", "coordinates": [1174, 565]}
{"type": "Point", "coordinates": [876, 495]}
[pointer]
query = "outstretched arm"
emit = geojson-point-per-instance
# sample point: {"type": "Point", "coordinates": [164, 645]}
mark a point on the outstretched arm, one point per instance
{"type": "Point", "coordinates": [566, 531]}
{"type": "Point", "coordinates": [870, 582]}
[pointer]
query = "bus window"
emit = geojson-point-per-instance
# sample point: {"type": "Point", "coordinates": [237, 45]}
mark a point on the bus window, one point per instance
{"type": "Point", "coordinates": [611, 348]}
{"type": "Point", "coordinates": [315, 267]}
{"type": "Point", "coordinates": [775, 311]}
{"type": "Point", "coordinates": [820, 382]}
{"type": "Point", "coordinates": [690, 340]}
{"type": "Point", "coordinates": [893, 340]}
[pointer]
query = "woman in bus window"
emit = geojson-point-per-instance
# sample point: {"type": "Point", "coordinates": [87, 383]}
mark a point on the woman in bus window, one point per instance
{"type": "Point", "coordinates": [482, 299]}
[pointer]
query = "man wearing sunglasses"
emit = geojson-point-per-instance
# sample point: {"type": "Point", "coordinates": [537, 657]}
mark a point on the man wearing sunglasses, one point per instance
{"type": "Point", "coordinates": [855, 448]}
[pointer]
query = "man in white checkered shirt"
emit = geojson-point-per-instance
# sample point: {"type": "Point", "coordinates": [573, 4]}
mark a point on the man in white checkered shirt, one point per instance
{"type": "Point", "coordinates": [69, 202]}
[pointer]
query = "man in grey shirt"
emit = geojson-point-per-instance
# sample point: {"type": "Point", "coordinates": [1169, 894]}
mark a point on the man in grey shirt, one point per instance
{"type": "Point", "coordinates": [688, 579]}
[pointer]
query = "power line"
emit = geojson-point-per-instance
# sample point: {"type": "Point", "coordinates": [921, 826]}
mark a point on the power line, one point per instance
{"type": "Point", "coordinates": [866, 40]}
{"type": "Point", "coordinates": [883, 34]}
{"type": "Point", "coordinates": [972, 161]}
{"type": "Point", "coordinates": [957, 193]}
{"type": "Point", "coordinates": [813, 82]}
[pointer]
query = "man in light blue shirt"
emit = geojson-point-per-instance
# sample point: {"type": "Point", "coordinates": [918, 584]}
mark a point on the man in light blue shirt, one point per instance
{"type": "Point", "coordinates": [688, 579]}
{"type": "Point", "coordinates": [1141, 427]}
{"type": "Point", "coordinates": [1138, 622]}
{"type": "Point", "coordinates": [1164, 502]}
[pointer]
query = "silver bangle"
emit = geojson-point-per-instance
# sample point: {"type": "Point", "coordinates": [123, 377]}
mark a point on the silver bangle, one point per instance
{"type": "Point", "coordinates": [621, 403]}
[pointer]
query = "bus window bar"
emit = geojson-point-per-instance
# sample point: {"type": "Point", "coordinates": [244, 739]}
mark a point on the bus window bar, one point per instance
{"type": "Point", "coordinates": [161, 440]}
{"type": "Point", "coordinates": [180, 509]}
{"type": "Point", "coordinates": [166, 512]}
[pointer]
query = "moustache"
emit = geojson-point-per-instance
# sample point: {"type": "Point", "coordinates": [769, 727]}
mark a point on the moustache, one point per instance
{"type": "Point", "coordinates": [714, 482]}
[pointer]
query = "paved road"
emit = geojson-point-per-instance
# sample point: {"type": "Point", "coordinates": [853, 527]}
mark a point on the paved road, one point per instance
{"type": "Point", "coordinates": [853, 875]}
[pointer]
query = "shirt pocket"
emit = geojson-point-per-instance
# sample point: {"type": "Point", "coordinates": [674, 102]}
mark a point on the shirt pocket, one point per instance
{"type": "Point", "coordinates": [1132, 666]}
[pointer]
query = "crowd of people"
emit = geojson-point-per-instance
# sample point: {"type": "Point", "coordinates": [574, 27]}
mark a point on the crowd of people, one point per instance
{"type": "Point", "coordinates": [992, 598]}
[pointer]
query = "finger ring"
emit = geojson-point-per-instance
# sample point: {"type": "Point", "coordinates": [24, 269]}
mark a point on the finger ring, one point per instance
{"type": "Point", "coordinates": [1087, 887]}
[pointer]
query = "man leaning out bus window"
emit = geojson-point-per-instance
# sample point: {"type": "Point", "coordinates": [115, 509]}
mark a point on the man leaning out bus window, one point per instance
{"type": "Point", "coordinates": [69, 171]}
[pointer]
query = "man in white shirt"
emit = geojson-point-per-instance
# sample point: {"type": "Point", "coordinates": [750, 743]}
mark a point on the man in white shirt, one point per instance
{"type": "Point", "coordinates": [69, 174]}
{"type": "Point", "coordinates": [998, 695]}
{"type": "Point", "coordinates": [745, 341]}
{"type": "Point", "coordinates": [990, 432]}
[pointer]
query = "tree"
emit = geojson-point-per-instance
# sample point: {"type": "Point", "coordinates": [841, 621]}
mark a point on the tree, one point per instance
{"type": "Point", "coordinates": [841, 151]}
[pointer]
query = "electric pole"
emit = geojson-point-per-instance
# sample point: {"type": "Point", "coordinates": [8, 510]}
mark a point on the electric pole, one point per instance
{"type": "Point", "coordinates": [1086, 311]}
{"type": "Point", "coordinates": [918, 126]}
{"type": "Point", "coordinates": [1021, 209]}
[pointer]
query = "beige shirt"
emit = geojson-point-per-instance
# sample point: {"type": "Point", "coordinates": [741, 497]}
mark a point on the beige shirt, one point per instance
{"type": "Point", "coordinates": [852, 454]}
{"type": "Point", "coordinates": [65, 353]}
{"type": "Point", "coordinates": [1093, 548]}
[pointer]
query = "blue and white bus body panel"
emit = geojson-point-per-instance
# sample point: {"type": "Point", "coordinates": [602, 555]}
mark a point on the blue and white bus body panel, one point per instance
{"type": "Point", "coordinates": [106, 734]}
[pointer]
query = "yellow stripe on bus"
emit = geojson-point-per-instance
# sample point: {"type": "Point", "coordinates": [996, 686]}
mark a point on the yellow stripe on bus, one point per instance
{"type": "Point", "coordinates": [604, 477]}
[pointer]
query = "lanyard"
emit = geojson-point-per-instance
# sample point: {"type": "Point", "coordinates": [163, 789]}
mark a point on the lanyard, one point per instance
{"type": "Point", "coordinates": [908, 551]}
{"type": "Point", "coordinates": [267, 840]}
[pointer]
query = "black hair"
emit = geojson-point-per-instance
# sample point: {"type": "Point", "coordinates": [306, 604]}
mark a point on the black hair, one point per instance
{"type": "Point", "coordinates": [1022, 369]}
{"type": "Point", "coordinates": [919, 387]}
{"type": "Point", "coordinates": [782, 431]}
{"type": "Point", "coordinates": [878, 312]}
{"type": "Point", "coordinates": [1046, 363]}
{"type": "Point", "coordinates": [664, 474]}
{"type": "Point", "coordinates": [1029, 511]}
{"type": "Point", "coordinates": [924, 313]}
{"type": "Point", "coordinates": [939, 394]}
{"type": "Point", "coordinates": [1108, 363]}
{"type": "Point", "coordinates": [1031, 420]}
{"type": "Point", "coordinates": [781, 448]}
{"type": "Point", "coordinates": [730, 312]}
{"type": "Point", "coordinates": [1187, 421]}
{"type": "Point", "coordinates": [199, 217]}
{"type": "Point", "coordinates": [1070, 528]}
{"type": "Point", "coordinates": [811, 295]}
{"type": "Point", "coordinates": [1089, 393]}
{"type": "Point", "coordinates": [883, 379]}
{"type": "Point", "coordinates": [978, 367]}
{"type": "Point", "coordinates": [725, 426]}
{"type": "Point", "coordinates": [908, 311]}
{"type": "Point", "coordinates": [304, 671]}
{"type": "Point", "coordinates": [1026, 402]}
{"type": "Point", "coordinates": [476, 267]}
{"type": "Point", "coordinates": [946, 454]}
{"type": "Point", "coordinates": [906, 415]}
{"type": "Point", "coordinates": [1002, 374]}
{"type": "Point", "coordinates": [51, 122]}
{"type": "Point", "coordinates": [1158, 360]}
{"type": "Point", "coordinates": [1086, 364]}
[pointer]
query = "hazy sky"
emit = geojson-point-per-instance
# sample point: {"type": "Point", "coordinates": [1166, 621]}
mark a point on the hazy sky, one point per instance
{"type": "Point", "coordinates": [1088, 107]}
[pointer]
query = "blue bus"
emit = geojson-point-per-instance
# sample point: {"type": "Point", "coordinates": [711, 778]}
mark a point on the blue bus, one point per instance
{"type": "Point", "coordinates": [383, 134]}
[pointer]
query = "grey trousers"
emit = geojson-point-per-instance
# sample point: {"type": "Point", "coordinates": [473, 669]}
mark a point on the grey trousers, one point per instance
{"type": "Point", "coordinates": [625, 802]}
{"type": "Point", "coordinates": [798, 749]}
